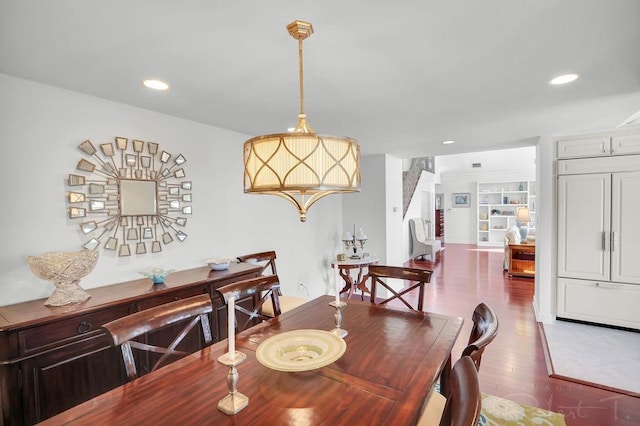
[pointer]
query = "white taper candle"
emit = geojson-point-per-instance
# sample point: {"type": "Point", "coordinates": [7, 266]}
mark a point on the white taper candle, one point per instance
{"type": "Point", "coordinates": [335, 281]}
{"type": "Point", "coordinates": [231, 323]}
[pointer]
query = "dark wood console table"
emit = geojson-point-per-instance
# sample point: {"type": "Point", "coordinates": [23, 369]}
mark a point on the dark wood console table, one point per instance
{"type": "Point", "coordinates": [52, 358]}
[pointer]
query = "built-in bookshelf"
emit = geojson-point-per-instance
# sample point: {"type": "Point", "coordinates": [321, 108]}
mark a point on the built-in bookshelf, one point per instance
{"type": "Point", "coordinates": [498, 203]}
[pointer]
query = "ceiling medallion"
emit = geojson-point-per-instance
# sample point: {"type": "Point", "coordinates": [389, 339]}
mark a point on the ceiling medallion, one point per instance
{"type": "Point", "coordinates": [131, 195]}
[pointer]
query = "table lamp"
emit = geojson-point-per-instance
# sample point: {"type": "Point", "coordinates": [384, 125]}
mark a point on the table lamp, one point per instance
{"type": "Point", "coordinates": [522, 219]}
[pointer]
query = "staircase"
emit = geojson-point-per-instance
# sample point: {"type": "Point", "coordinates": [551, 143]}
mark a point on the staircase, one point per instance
{"type": "Point", "coordinates": [411, 177]}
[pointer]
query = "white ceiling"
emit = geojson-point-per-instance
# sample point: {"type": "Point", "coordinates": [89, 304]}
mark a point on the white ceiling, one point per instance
{"type": "Point", "coordinates": [398, 76]}
{"type": "Point", "coordinates": [521, 160]}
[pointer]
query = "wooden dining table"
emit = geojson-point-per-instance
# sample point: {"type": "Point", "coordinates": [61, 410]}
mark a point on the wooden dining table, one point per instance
{"type": "Point", "coordinates": [392, 360]}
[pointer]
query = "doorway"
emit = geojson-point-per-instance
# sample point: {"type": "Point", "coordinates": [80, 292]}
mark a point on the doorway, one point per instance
{"type": "Point", "coordinates": [439, 216]}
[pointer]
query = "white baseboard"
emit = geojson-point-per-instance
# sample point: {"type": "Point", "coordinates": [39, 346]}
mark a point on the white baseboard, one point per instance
{"type": "Point", "coordinates": [543, 318]}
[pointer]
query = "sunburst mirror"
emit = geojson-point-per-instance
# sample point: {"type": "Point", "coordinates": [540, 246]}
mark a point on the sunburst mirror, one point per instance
{"type": "Point", "coordinates": [130, 195]}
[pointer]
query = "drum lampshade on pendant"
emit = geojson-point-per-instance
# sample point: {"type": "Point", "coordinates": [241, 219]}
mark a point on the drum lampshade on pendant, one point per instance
{"type": "Point", "coordinates": [301, 166]}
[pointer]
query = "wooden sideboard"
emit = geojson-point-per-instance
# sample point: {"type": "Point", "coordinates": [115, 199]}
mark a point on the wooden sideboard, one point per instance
{"type": "Point", "coordinates": [52, 358]}
{"type": "Point", "coordinates": [522, 260]}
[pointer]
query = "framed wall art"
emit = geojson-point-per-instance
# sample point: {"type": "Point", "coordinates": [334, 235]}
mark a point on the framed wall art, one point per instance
{"type": "Point", "coordinates": [461, 199]}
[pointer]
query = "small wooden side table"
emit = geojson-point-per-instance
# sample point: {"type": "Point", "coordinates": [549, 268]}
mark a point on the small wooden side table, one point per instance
{"type": "Point", "coordinates": [522, 260]}
{"type": "Point", "coordinates": [345, 267]}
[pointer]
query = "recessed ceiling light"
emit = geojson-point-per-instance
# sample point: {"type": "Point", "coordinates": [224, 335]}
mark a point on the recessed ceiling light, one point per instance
{"type": "Point", "coordinates": [156, 84]}
{"type": "Point", "coordinates": [564, 79]}
{"type": "Point", "coordinates": [448, 142]}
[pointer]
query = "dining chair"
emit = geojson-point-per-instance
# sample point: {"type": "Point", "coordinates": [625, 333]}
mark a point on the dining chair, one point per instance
{"type": "Point", "coordinates": [418, 277]}
{"type": "Point", "coordinates": [268, 257]}
{"type": "Point", "coordinates": [123, 330]}
{"type": "Point", "coordinates": [484, 330]}
{"type": "Point", "coordinates": [461, 407]}
{"type": "Point", "coordinates": [268, 261]}
{"type": "Point", "coordinates": [260, 290]}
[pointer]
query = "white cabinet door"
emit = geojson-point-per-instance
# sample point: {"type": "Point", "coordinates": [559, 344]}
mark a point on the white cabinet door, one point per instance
{"type": "Point", "coordinates": [584, 221]}
{"type": "Point", "coordinates": [594, 146]}
{"type": "Point", "coordinates": [625, 228]}
{"type": "Point", "coordinates": [625, 144]}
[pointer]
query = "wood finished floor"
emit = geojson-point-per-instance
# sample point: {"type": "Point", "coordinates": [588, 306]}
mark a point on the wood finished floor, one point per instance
{"type": "Point", "coordinates": [514, 366]}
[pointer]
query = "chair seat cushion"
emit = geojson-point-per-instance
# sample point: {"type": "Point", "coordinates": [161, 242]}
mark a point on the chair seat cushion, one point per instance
{"type": "Point", "coordinates": [433, 409]}
{"type": "Point", "coordinates": [435, 244]}
{"type": "Point", "coordinates": [287, 303]}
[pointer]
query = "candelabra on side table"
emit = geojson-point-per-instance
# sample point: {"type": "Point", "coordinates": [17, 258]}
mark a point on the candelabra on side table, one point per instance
{"type": "Point", "coordinates": [353, 241]}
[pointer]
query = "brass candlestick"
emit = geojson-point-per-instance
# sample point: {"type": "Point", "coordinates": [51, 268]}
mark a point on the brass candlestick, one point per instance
{"type": "Point", "coordinates": [235, 401]}
{"type": "Point", "coordinates": [337, 318]}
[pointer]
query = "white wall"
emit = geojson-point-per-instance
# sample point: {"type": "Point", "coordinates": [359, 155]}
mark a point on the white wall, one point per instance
{"type": "Point", "coordinates": [460, 222]}
{"type": "Point", "coordinates": [365, 209]}
{"type": "Point", "coordinates": [393, 210]}
{"type": "Point", "coordinates": [377, 208]}
{"type": "Point", "coordinates": [546, 252]}
{"type": "Point", "coordinates": [40, 129]}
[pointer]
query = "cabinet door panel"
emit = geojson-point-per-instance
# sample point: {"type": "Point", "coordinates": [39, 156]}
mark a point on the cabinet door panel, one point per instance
{"type": "Point", "coordinates": [59, 380]}
{"type": "Point", "coordinates": [584, 147]}
{"type": "Point", "coordinates": [625, 144]}
{"type": "Point", "coordinates": [625, 226]}
{"type": "Point", "coordinates": [584, 221]}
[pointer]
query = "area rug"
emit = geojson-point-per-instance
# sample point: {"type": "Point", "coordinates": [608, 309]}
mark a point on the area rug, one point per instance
{"type": "Point", "coordinates": [500, 411]}
{"type": "Point", "coordinates": [597, 356]}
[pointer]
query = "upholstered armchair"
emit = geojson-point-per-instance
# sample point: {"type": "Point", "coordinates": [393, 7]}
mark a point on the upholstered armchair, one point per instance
{"type": "Point", "coordinates": [511, 237]}
{"type": "Point", "coordinates": [423, 243]}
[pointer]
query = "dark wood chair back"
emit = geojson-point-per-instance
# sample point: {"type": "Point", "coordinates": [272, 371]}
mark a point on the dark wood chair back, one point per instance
{"type": "Point", "coordinates": [464, 401]}
{"type": "Point", "coordinates": [123, 330]}
{"type": "Point", "coordinates": [268, 261]}
{"type": "Point", "coordinates": [269, 257]}
{"type": "Point", "coordinates": [418, 279]}
{"type": "Point", "coordinates": [461, 405]}
{"type": "Point", "coordinates": [484, 330]}
{"type": "Point", "coordinates": [260, 289]}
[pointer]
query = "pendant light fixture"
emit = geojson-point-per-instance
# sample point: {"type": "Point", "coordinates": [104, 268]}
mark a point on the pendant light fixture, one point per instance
{"type": "Point", "coordinates": [301, 166]}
